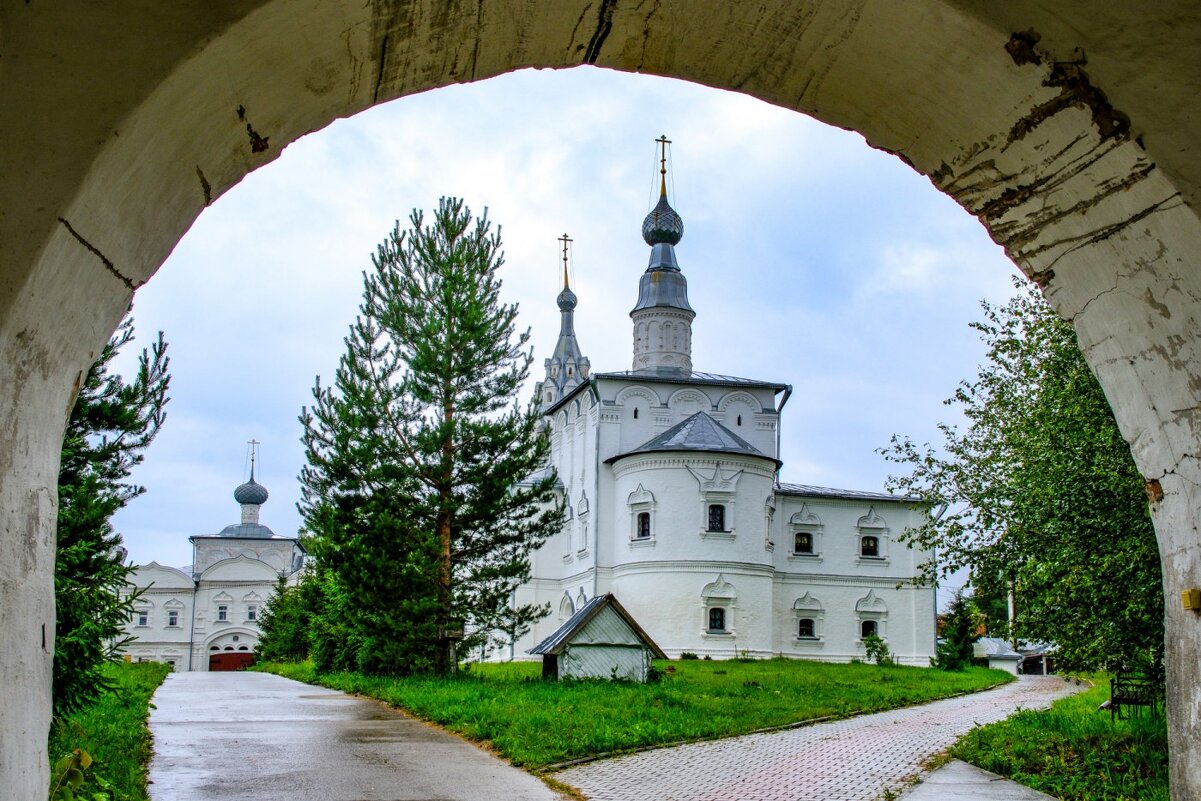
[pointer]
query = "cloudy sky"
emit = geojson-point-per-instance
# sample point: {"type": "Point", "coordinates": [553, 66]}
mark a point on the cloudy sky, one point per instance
{"type": "Point", "coordinates": [812, 260]}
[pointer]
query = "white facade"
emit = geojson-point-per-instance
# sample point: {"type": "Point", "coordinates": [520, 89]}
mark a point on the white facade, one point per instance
{"type": "Point", "coordinates": [185, 616]}
{"type": "Point", "coordinates": [671, 482]}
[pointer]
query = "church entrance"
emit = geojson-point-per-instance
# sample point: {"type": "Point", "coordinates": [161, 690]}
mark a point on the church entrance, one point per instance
{"type": "Point", "coordinates": [230, 660]}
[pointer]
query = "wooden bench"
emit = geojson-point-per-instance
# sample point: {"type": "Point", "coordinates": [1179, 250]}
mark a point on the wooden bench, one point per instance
{"type": "Point", "coordinates": [1135, 692]}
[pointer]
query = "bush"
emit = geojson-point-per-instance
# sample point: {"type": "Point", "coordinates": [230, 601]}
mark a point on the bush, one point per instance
{"type": "Point", "coordinates": [876, 650]}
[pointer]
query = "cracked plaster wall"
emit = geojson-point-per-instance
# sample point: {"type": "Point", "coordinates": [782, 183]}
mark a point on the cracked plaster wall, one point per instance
{"type": "Point", "coordinates": [1063, 126]}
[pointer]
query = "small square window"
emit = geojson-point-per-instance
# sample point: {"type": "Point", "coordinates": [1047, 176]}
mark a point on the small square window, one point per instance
{"type": "Point", "coordinates": [717, 517]}
{"type": "Point", "coordinates": [869, 546]}
{"type": "Point", "coordinates": [805, 629]}
{"type": "Point", "coordinates": [143, 618]}
{"type": "Point", "coordinates": [717, 619]}
{"type": "Point", "coordinates": [803, 542]}
{"type": "Point", "coordinates": [868, 628]}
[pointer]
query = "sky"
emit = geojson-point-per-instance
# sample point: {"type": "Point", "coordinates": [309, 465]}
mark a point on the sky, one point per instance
{"type": "Point", "coordinates": [811, 259]}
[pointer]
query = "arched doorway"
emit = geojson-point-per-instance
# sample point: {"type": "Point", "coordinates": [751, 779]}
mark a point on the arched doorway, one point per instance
{"type": "Point", "coordinates": [1062, 126]}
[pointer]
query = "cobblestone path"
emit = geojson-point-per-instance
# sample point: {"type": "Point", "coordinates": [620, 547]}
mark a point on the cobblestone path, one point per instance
{"type": "Point", "coordinates": [846, 760]}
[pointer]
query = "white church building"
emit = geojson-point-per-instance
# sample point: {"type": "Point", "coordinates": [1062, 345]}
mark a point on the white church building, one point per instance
{"type": "Point", "coordinates": [205, 616]}
{"type": "Point", "coordinates": [671, 479]}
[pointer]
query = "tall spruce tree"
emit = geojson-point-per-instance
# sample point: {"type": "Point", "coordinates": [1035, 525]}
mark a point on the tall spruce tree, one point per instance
{"type": "Point", "coordinates": [111, 424]}
{"type": "Point", "coordinates": [1043, 494]}
{"type": "Point", "coordinates": [417, 493]}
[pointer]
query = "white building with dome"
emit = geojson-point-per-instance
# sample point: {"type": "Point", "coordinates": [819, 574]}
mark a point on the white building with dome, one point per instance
{"type": "Point", "coordinates": [671, 478]}
{"type": "Point", "coordinates": [205, 616]}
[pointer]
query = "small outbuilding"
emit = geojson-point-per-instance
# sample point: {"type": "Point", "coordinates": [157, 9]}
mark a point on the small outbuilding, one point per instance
{"type": "Point", "coordinates": [999, 653]}
{"type": "Point", "coordinates": [600, 641]}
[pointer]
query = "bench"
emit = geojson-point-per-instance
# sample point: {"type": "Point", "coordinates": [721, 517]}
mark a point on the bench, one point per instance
{"type": "Point", "coordinates": [1135, 692]}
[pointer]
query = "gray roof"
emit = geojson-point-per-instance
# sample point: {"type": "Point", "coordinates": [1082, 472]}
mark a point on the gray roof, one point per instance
{"type": "Point", "coordinates": [994, 648]}
{"type": "Point", "coordinates": [698, 433]}
{"type": "Point", "coordinates": [250, 531]}
{"type": "Point", "coordinates": [670, 376]}
{"type": "Point", "coordinates": [808, 490]}
{"type": "Point", "coordinates": [252, 492]}
{"type": "Point", "coordinates": [555, 643]}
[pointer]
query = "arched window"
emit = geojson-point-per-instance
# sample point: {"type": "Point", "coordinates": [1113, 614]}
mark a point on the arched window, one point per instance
{"type": "Point", "coordinates": [717, 517]}
{"type": "Point", "coordinates": [717, 619]}
{"type": "Point", "coordinates": [868, 628]}
{"type": "Point", "coordinates": [635, 412]}
{"type": "Point", "coordinates": [803, 542]}
{"type": "Point", "coordinates": [243, 648]}
{"type": "Point", "coordinates": [644, 525]}
{"type": "Point", "coordinates": [805, 629]}
{"type": "Point", "coordinates": [869, 546]}
{"type": "Point", "coordinates": [739, 419]}
{"type": "Point", "coordinates": [214, 648]}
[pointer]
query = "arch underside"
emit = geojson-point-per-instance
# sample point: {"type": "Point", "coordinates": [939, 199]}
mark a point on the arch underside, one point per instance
{"type": "Point", "coordinates": [1063, 126]}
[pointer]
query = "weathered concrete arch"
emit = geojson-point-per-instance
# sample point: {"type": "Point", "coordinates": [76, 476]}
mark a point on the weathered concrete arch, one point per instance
{"type": "Point", "coordinates": [1067, 127]}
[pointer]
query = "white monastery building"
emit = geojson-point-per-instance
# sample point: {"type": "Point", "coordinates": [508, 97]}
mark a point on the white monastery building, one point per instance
{"type": "Point", "coordinates": [671, 479]}
{"type": "Point", "coordinates": [205, 616]}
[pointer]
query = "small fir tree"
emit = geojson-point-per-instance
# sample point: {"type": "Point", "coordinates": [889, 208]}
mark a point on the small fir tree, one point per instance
{"type": "Point", "coordinates": [111, 424]}
{"type": "Point", "coordinates": [415, 490]}
{"type": "Point", "coordinates": [960, 624]}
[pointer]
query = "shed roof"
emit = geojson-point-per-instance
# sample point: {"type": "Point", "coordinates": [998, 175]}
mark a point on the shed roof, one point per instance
{"type": "Point", "coordinates": [555, 643]}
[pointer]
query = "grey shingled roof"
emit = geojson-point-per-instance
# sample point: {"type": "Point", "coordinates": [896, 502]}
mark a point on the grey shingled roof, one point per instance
{"type": "Point", "coordinates": [809, 490]}
{"type": "Point", "coordinates": [695, 377]}
{"type": "Point", "coordinates": [555, 643]}
{"type": "Point", "coordinates": [698, 433]}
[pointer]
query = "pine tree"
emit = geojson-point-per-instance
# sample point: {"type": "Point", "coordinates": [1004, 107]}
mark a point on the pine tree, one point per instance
{"type": "Point", "coordinates": [415, 490]}
{"type": "Point", "coordinates": [111, 424]}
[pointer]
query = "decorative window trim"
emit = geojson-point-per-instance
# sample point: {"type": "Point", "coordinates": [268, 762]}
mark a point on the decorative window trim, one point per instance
{"type": "Point", "coordinates": [871, 608]}
{"type": "Point", "coordinates": [175, 613]}
{"type": "Point", "coordinates": [719, 594]}
{"type": "Point", "coordinates": [641, 501]}
{"type": "Point", "coordinates": [872, 525]}
{"type": "Point", "coordinates": [809, 608]}
{"type": "Point", "coordinates": [718, 489]}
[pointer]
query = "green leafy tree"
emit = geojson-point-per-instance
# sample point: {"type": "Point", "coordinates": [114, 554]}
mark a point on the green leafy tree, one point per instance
{"type": "Point", "coordinates": [415, 490]}
{"type": "Point", "coordinates": [958, 634]}
{"type": "Point", "coordinates": [111, 424]}
{"type": "Point", "coordinates": [1042, 492]}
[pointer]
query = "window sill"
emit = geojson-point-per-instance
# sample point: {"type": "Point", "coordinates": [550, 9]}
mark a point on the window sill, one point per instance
{"type": "Point", "coordinates": [706, 534]}
{"type": "Point", "coordinates": [815, 558]}
{"type": "Point", "coordinates": [811, 642]}
{"type": "Point", "coordinates": [871, 560]}
{"type": "Point", "coordinates": [722, 635]}
{"type": "Point", "coordinates": [582, 555]}
{"type": "Point", "coordinates": [643, 542]}
{"type": "Point", "coordinates": [568, 558]}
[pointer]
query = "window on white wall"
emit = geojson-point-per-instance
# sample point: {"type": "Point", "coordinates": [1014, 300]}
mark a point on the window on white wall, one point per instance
{"type": "Point", "coordinates": [252, 612]}
{"type": "Point", "coordinates": [717, 517]}
{"type": "Point", "coordinates": [644, 526]}
{"type": "Point", "coordinates": [142, 617]}
{"type": "Point", "coordinates": [806, 629]}
{"type": "Point", "coordinates": [717, 620]}
{"type": "Point", "coordinates": [172, 618]}
{"type": "Point", "coordinates": [641, 503]}
{"type": "Point", "coordinates": [222, 612]}
{"type": "Point", "coordinates": [868, 628]}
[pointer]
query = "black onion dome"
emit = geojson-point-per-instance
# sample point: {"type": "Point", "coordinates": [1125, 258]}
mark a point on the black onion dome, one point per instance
{"type": "Point", "coordinates": [251, 492]}
{"type": "Point", "coordinates": [566, 300]}
{"type": "Point", "coordinates": [662, 225]}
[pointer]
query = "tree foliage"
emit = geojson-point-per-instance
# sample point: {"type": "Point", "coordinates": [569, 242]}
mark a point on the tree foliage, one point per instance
{"type": "Point", "coordinates": [1041, 491]}
{"type": "Point", "coordinates": [111, 424]}
{"type": "Point", "coordinates": [415, 492]}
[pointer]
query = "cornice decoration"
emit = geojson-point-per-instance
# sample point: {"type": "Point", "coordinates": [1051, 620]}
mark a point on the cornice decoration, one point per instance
{"type": "Point", "coordinates": [872, 520]}
{"type": "Point", "coordinates": [871, 603]}
{"type": "Point", "coordinates": [805, 518]}
{"type": "Point", "coordinates": [807, 603]}
{"type": "Point", "coordinates": [720, 588]}
{"type": "Point", "coordinates": [719, 481]}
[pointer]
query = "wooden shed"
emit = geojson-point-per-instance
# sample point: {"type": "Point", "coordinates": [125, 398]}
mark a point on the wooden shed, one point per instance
{"type": "Point", "coordinates": [600, 641]}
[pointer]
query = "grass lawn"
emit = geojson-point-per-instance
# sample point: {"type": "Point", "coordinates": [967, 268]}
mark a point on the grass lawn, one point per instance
{"type": "Point", "coordinates": [535, 723]}
{"type": "Point", "coordinates": [113, 731]}
{"type": "Point", "coordinates": [1073, 752]}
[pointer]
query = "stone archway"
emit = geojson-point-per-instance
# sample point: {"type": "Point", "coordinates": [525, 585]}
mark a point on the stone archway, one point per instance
{"type": "Point", "coordinates": [1063, 126]}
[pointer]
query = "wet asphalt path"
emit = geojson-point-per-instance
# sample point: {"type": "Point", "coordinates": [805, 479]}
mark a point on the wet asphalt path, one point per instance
{"type": "Point", "coordinates": [259, 737]}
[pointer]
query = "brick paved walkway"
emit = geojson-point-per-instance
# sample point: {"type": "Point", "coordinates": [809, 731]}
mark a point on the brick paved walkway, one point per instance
{"type": "Point", "coordinates": [847, 760]}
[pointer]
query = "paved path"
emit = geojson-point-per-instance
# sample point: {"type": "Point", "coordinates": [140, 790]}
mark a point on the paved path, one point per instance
{"type": "Point", "coordinates": [259, 737]}
{"type": "Point", "coordinates": [959, 781]}
{"type": "Point", "coordinates": [846, 760]}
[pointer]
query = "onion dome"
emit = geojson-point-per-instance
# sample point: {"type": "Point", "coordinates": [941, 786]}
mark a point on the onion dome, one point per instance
{"type": "Point", "coordinates": [663, 226]}
{"type": "Point", "coordinates": [251, 492]}
{"type": "Point", "coordinates": [566, 300]}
